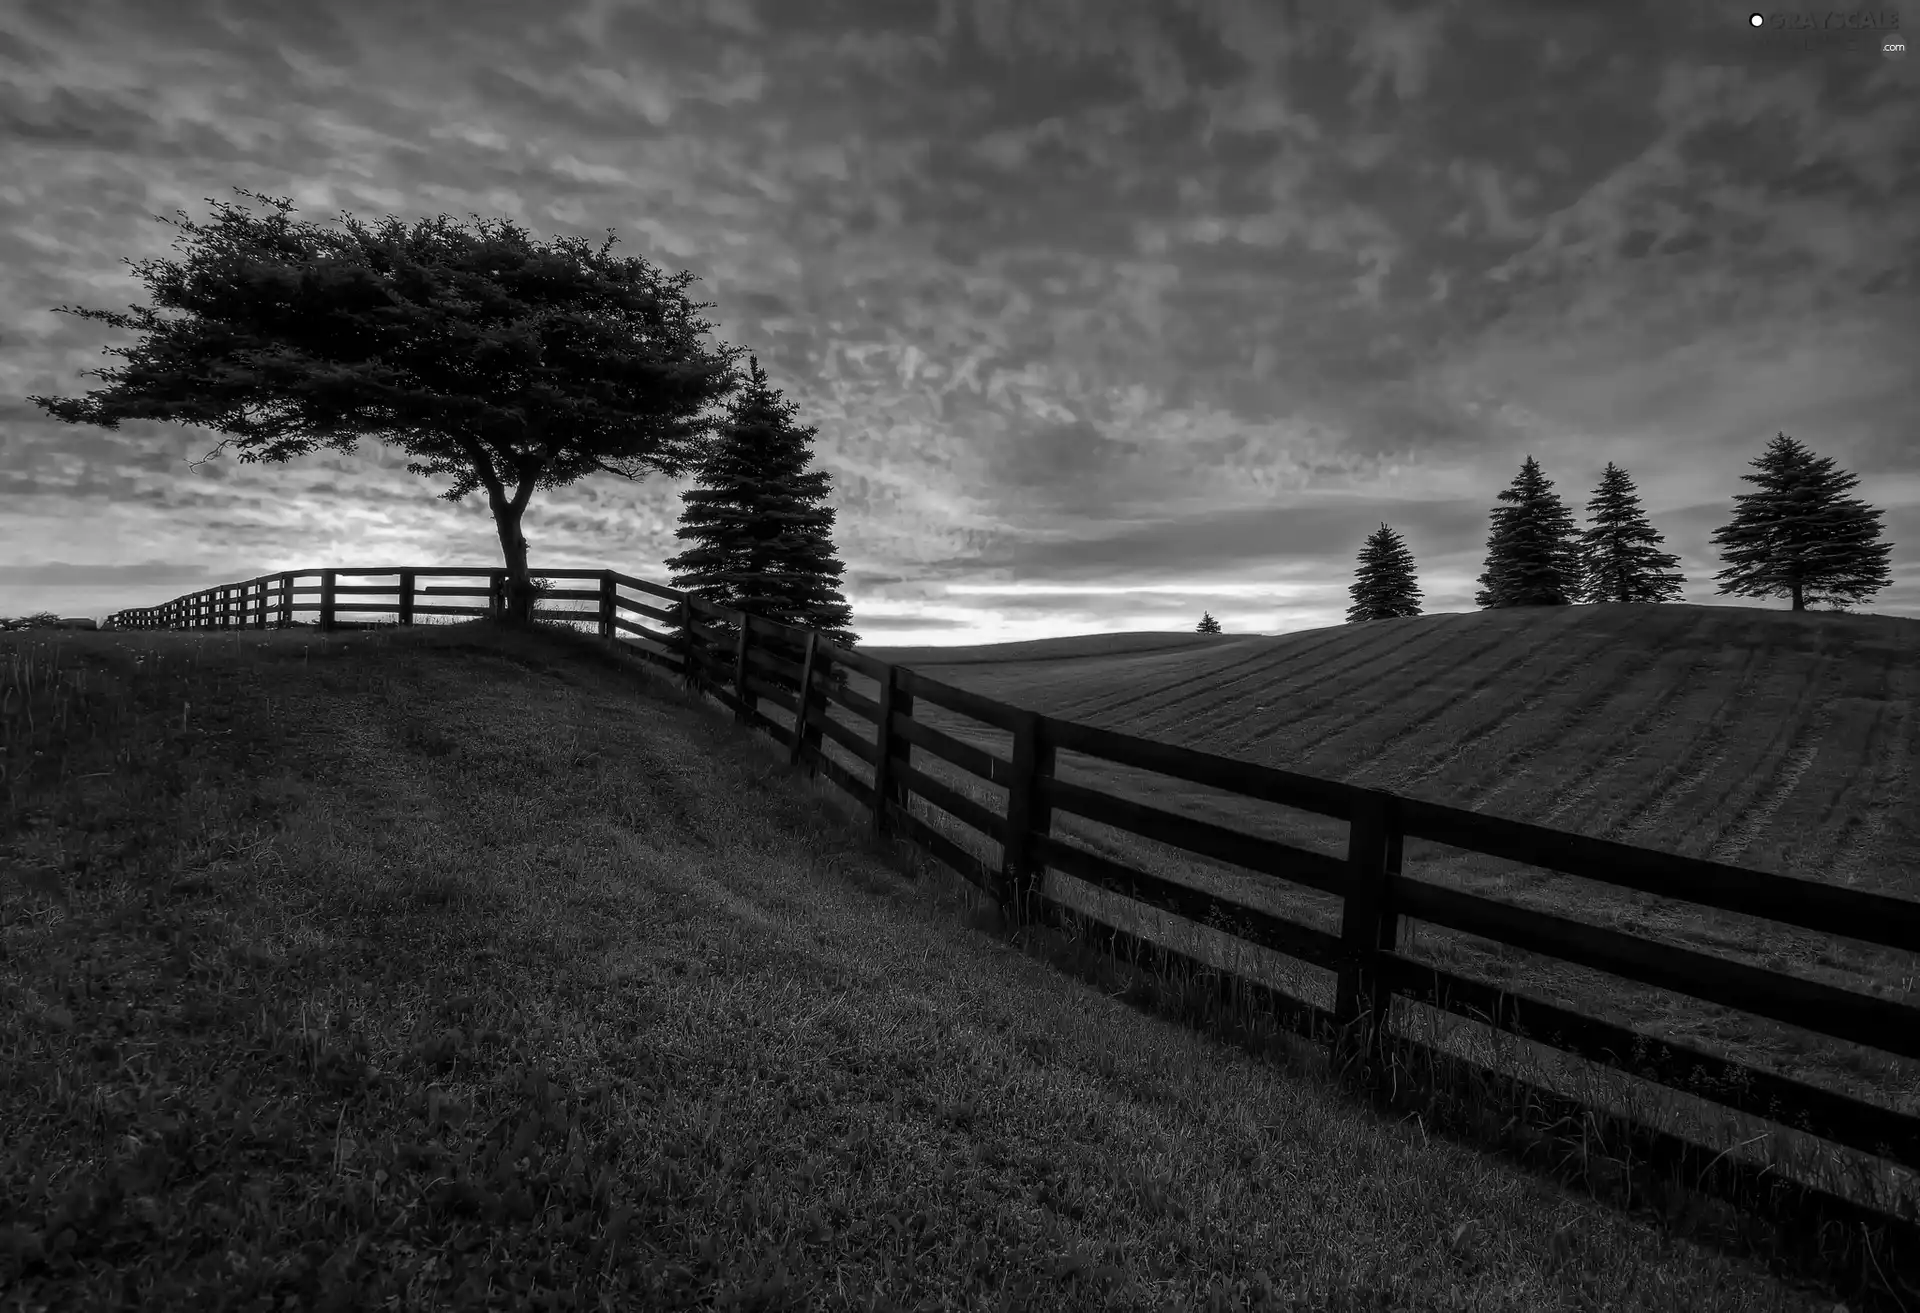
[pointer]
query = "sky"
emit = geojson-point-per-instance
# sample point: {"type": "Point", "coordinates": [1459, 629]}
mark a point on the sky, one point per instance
{"type": "Point", "coordinates": [1107, 312]}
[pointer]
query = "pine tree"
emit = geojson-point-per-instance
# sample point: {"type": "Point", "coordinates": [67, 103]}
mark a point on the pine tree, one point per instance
{"type": "Point", "coordinates": [761, 537]}
{"type": "Point", "coordinates": [1383, 587]}
{"type": "Point", "coordinates": [1207, 625]}
{"type": "Point", "coordinates": [1798, 537]}
{"type": "Point", "coordinates": [1622, 562]}
{"type": "Point", "coordinates": [1532, 553]}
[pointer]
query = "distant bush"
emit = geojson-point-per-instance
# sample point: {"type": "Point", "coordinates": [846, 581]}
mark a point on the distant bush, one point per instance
{"type": "Point", "coordinates": [43, 620]}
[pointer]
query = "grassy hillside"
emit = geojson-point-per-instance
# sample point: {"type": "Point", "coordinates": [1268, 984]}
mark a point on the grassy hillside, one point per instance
{"type": "Point", "coordinates": [458, 969]}
{"type": "Point", "coordinates": [1764, 738]}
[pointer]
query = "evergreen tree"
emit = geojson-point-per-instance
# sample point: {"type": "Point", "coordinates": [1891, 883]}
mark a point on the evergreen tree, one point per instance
{"type": "Point", "coordinates": [1383, 587]}
{"type": "Point", "coordinates": [1798, 537]}
{"type": "Point", "coordinates": [1207, 625]}
{"type": "Point", "coordinates": [760, 534]}
{"type": "Point", "coordinates": [1532, 552]}
{"type": "Point", "coordinates": [1622, 561]}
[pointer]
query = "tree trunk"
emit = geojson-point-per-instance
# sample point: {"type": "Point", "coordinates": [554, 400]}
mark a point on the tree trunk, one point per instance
{"type": "Point", "coordinates": [1799, 598]}
{"type": "Point", "coordinates": [513, 547]}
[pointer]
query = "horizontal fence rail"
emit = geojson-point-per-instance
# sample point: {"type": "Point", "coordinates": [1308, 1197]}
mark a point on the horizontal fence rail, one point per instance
{"type": "Point", "coordinates": [744, 661]}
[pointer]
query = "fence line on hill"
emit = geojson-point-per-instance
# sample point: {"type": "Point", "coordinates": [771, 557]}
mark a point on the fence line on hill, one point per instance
{"type": "Point", "coordinates": [763, 661]}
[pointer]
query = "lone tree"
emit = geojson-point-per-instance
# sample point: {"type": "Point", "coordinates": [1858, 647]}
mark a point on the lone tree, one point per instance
{"type": "Point", "coordinates": [1532, 555]}
{"type": "Point", "coordinates": [1383, 587]}
{"type": "Point", "coordinates": [1207, 625]}
{"type": "Point", "coordinates": [761, 534]}
{"type": "Point", "coordinates": [1622, 560]}
{"type": "Point", "coordinates": [506, 365]}
{"type": "Point", "coordinates": [1798, 537]}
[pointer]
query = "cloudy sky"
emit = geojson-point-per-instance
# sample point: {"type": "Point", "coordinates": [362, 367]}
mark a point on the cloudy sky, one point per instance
{"type": "Point", "coordinates": [1106, 311]}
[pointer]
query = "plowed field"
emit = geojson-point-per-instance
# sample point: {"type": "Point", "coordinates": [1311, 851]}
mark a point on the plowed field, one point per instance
{"type": "Point", "coordinates": [1779, 741]}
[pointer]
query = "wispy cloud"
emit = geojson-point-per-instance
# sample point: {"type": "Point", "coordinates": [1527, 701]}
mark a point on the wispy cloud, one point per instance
{"type": "Point", "coordinates": [1106, 311]}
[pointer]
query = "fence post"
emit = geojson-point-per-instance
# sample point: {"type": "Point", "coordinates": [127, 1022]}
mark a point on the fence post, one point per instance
{"type": "Point", "coordinates": [406, 597]}
{"type": "Point", "coordinates": [806, 699]}
{"type": "Point", "coordinates": [1027, 815]}
{"type": "Point", "coordinates": [497, 593]}
{"type": "Point", "coordinates": [688, 669]}
{"type": "Point", "coordinates": [606, 609]}
{"type": "Point", "coordinates": [748, 703]}
{"type": "Point", "coordinates": [326, 599]}
{"type": "Point", "coordinates": [891, 751]}
{"type": "Point", "coordinates": [1368, 926]}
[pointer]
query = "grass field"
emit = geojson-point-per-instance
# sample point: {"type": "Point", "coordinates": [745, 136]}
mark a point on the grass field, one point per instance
{"type": "Point", "coordinates": [458, 968]}
{"type": "Point", "coordinates": [1782, 741]}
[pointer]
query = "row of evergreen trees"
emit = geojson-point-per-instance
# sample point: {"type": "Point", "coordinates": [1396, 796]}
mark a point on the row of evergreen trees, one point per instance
{"type": "Point", "coordinates": [760, 535]}
{"type": "Point", "coordinates": [1798, 537]}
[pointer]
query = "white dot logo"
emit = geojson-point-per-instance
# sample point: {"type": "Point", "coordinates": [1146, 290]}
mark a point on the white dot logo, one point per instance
{"type": "Point", "coordinates": [1756, 20]}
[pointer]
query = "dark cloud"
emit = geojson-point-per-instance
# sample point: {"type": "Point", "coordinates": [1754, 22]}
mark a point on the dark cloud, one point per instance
{"type": "Point", "coordinates": [1187, 298]}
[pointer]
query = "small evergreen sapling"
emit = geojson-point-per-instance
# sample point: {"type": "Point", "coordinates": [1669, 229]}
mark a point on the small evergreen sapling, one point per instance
{"type": "Point", "coordinates": [1383, 586]}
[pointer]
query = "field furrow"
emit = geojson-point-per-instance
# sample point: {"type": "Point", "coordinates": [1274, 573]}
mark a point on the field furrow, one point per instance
{"type": "Point", "coordinates": [1702, 724]}
{"type": "Point", "coordinates": [1487, 737]}
{"type": "Point", "coordinates": [1072, 695]}
{"type": "Point", "coordinates": [1329, 684]}
{"type": "Point", "coordinates": [1311, 732]}
{"type": "Point", "coordinates": [1787, 701]}
{"type": "Point", "coordinates": [1472, 712]}
{"type": "Point", "coordinates": [1551, 743]}
{"type": "Point", "coordinates": [1752, 819]}
{"type": "Point", "coordinates": [1286, 678]}
{"type": "Point", "coordinates": [1616, 751]}
{"type": "Point", "coordinates": [1122, 701]}
{"type": "Point", "coordinates": [1383, 740]}
{"type": "Point", "coordinates": [1886, 788]}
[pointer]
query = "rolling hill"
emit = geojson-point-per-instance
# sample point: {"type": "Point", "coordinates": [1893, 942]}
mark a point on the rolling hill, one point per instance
{"type": "Point", "coordinates": [1765, 738]}
{"type": "Point", "coordinates": [1779, 741]}
{"type": "Point", "coordinates": [453, 968]}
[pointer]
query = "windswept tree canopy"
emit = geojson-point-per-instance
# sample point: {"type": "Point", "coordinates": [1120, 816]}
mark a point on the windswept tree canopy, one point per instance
{"type": "Point", "coordinates": [504, 364]}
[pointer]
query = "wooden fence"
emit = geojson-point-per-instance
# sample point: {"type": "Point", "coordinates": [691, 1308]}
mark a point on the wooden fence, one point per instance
{"type": "Point", "coordinates": [760, 661]}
